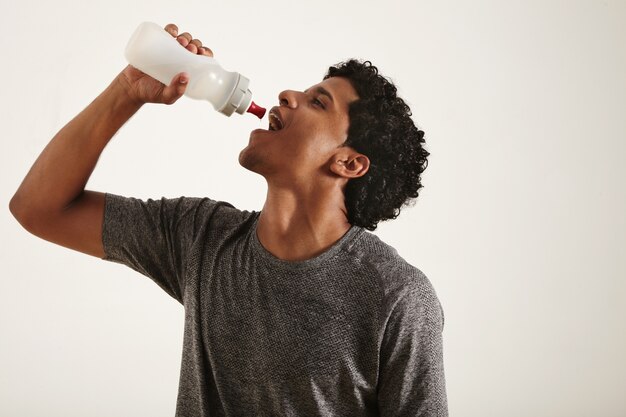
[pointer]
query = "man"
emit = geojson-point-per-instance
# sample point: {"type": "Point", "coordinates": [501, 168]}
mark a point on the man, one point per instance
{"type": "Point", "coordinates": [296, 310]}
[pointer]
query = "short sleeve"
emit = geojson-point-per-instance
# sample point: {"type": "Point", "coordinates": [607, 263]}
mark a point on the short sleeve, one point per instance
{"type": "Point", "coordinates": [153, 237]}
{"type": "Point", "coordinates": [411, 378]}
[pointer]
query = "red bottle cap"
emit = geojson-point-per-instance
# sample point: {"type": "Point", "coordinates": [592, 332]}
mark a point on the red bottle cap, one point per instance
{"type": "Point", "coordinates": [258, 111]}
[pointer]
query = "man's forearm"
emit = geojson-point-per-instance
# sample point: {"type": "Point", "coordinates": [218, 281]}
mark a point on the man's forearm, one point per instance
{"type": "Point", "coordinates": [61, 171]}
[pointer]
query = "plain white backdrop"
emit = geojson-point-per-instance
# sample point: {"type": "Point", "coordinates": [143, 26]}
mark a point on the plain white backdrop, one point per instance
{"type": "Point", "coordinates": [520, 225]}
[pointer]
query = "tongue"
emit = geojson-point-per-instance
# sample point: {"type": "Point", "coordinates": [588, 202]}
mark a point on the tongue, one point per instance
{"type": "Point", "coordinates": [258, 111]}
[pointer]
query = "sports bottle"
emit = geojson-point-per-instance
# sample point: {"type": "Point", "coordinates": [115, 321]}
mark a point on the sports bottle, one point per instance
{"type": "Point", "coordinates": [154, 51]}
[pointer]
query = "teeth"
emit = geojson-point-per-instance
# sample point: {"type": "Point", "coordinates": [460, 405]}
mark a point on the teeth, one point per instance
{"type": "Point", "coordinates": [275, 123]}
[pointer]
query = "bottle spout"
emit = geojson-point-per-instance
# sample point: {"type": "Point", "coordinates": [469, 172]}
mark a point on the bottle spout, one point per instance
{"type": "Point", "coordinates": [257, 110]}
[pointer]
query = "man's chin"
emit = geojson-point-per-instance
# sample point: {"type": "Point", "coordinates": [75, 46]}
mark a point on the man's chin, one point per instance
{"type": "Point", "coordinates": [249, 160]}
{"type": "Point", "coordinates": [259, 154]}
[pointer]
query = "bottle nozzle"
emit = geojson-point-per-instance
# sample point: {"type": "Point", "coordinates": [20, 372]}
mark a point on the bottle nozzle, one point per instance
{"type": "Point", "coordinates": [257, 110]}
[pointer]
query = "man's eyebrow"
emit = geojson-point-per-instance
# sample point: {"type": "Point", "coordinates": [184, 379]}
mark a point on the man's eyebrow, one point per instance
{"type": "Point", "coordinates": [323, 91]}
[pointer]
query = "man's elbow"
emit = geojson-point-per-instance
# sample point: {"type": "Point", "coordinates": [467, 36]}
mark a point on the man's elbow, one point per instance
{"type": "Point", "coordinates": [15, 207]}
{"type": "Point", "coordinates": [18, 209]}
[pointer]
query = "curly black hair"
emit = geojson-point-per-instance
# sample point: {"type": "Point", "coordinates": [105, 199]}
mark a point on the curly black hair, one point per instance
{"type": "Point", "coordinates": [382, 129]}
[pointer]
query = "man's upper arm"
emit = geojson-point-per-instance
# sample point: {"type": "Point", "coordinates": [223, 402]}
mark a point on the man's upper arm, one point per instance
{"type": "Point", "coordinates": [78, 226]}
{"type": "Point", "coordinates": [411, 380]}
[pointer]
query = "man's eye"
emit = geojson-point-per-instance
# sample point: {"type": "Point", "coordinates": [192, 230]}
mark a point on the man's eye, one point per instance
{"type": "Point", "coordinates": [319, 103]}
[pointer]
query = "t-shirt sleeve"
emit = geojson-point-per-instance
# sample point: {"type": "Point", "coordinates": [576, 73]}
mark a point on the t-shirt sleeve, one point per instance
{"type": "Point", "coordinates": [411, 379]}
{"type": "Point", "coordinates": [153, 237]}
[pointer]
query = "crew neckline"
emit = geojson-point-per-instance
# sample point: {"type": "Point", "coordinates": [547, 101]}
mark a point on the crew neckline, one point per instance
{"type": "Point", "coordinates": [344, 242]}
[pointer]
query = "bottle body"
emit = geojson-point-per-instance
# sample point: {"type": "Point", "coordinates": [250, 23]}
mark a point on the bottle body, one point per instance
{"type": "Point", "coordinates": [152, 50]}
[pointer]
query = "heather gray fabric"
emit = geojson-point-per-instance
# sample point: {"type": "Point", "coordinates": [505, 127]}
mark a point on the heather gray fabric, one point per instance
{"type": "Point", "coordinates": [355, 331]}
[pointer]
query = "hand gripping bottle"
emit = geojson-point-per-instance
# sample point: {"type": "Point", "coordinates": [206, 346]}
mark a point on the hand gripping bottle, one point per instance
{"type": "Point", "coordinates": [152, 50]}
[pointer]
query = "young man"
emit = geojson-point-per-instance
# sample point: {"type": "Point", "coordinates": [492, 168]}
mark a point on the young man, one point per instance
{"type": "Point", "coordinates": [296, 310]}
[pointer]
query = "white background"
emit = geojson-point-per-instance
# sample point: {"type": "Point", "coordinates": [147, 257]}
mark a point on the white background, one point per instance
{"type": "Point", "coordinates": [520, 226]}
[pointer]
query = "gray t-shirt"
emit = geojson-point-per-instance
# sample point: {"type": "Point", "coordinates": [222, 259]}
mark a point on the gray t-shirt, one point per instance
{"type": "Point", "coordinates": [353, 331]}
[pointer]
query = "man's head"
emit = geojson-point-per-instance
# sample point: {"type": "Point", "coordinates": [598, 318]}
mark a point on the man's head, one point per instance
{"type": "Point", "coordinates": [305, 136]}
{"type": "Point", "coordinates": [350, 132]}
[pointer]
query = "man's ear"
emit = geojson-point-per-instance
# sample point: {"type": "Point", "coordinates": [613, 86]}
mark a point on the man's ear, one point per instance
{"type": "Point", "coordinates": [350, 165]}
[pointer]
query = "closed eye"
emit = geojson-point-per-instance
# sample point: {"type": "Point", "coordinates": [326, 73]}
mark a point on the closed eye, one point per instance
{"type": "Point", "coordinates": [318, 103]}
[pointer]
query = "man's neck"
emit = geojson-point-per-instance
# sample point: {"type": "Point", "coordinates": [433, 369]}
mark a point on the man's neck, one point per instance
{"type": "Point", "coordinates": [296, 225]}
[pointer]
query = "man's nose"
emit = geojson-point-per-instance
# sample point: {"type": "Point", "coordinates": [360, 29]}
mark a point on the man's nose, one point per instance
{"type": "Point", "coordinates": [288, 98]}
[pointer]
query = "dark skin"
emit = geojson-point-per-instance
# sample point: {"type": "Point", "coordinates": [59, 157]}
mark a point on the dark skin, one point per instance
{"type": "Point", "coordinates": [305, 166]}
{"type": "Point", "coordinates": [306, 169]}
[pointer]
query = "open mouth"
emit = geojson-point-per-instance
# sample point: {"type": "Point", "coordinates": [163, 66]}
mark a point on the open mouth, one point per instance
{"type": "Point", "coordinates": [275, 122]}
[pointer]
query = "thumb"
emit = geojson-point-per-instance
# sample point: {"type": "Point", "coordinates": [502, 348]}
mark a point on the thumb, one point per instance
{"type": "Point", "coordinates": [176, 89]}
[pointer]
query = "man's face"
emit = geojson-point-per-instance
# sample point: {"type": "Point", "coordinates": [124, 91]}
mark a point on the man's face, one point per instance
{"type": "Point", "coordinates": [312, 125]}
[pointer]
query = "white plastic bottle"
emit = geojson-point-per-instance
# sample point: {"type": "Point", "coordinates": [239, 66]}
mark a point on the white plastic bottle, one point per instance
{"type": "Point", "coordinates": [154, 51]}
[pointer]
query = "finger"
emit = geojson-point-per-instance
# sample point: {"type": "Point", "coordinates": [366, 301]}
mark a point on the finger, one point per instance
{"type": "Point", "coordinates": [182, 40]}
{"type": "Point", "coordinates": [176, 89]}
{"type": "Point", "coordinates": [187, 36]}
{"type": "Point", "coordinates": [192, 48]}
{"type": "Point", "coordinates": [197, 43]}
{"type": "Point", "coordinates": [172, 29]}
{"type": "Point", "coordinates": [206, 51]}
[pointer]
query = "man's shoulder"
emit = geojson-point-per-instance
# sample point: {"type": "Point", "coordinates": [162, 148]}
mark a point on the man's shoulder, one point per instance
{"type": "Point", "coordinates": [218, 217]}
{"type": "Point", "coordinates": [182, 211]}
{"type": "Point", "coordinates": [394, 274]}
{"type": "Point", "coordinates": [371, 251]}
